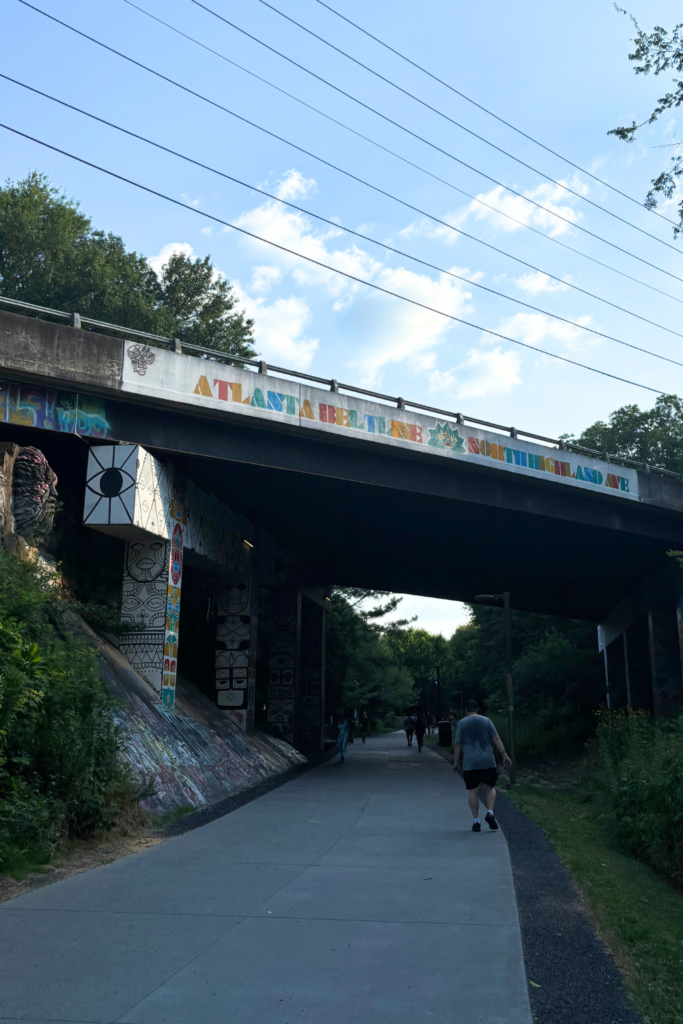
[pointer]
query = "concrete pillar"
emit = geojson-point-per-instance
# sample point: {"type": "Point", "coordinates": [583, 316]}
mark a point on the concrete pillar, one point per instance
{"type": "Point", "coordinates": [284, 631]}
{"type": "Point", "coordinates": [311, 698]}
{"type": "Point", "coordinates": [152, 576]}
{"type": "Point", "coordinates": [172, 625]}
{"type": "Point", "coordinates": [665, 657]}
{"type": "Point", "coordinates": [236, 613]}
{"type": "Point", "coordinates": [143, 605]}
{"type": "Point", "coordinates": [637, 646]}
{"type": "Point", "coordinates": [615, 668]}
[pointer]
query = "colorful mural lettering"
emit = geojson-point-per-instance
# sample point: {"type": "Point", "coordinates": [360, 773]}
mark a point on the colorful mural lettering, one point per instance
{"type": "Point", "coordinates": [184, 380]}
{"type": "Point", "coordinates": [30, 405]}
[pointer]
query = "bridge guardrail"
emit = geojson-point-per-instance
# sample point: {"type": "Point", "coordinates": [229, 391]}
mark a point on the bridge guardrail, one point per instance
{"type": "Point", "coordinates": [77, 321]}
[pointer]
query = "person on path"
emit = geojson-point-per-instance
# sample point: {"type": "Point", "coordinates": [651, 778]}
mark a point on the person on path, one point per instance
{"type": "Point", "coordinates": [364, 725]}
{"type": "Point", "coordinates": [420, 727]}
{"type": "Point", "coordinates": [475, 738]}
{"type": "Point", "coordinates": [409, 727]}
{"type": "Point", "coordinates": [342, 739]}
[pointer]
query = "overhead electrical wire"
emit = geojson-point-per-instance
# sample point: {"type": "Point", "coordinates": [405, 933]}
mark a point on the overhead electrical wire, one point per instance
{"type": "Point", "coordinates": [403, 159]}
{"type": "Point", "coordinates": [350, 231]}
{"type": "Point", "coordinates": [439, 149]}
{"type": "Point", "coordinates": [307, 152]}
{"type": "Point", "coordinates": [325, 266]}
{"type": "Point", "coordinates": [462, 127]}
{"type": "Point", "coordinates": [502, 120]}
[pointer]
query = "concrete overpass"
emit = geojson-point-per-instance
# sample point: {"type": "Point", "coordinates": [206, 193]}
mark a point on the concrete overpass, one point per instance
{"type": "Point", "coordinates": [368, 493]}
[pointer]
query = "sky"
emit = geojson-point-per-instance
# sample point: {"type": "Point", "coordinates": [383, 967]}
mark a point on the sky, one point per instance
{"type": "Point", "coordinates": [560, 73]}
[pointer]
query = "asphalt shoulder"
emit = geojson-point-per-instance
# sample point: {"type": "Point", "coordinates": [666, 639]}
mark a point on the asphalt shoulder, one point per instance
{"type": "Point", "coordinates": [573, 978]}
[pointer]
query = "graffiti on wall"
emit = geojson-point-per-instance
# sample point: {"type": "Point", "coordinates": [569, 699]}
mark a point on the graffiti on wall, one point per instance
{"type": "Point", "coordinates": [282, 652]}
{"type": "Point", "coordinates": [30, 405]}
{"type": "Point", "coordinates": [234, 653]}
{"type": "Point", "coordinates": [127, 486]}
{"type": "Point", "coordinates": [143, 607]}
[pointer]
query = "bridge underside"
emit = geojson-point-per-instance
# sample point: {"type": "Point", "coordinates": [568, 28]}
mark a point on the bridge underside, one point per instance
{"type": "Point", "coordinates": [383, 521]}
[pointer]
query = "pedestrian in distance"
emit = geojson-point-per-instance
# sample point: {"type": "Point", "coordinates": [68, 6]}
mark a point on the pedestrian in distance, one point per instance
{"type": "Point", "coordinates": [351, 724]}
{"type": "Point", "coordinates": [475, 738]}
{"type": "Point", "coordinates": [342, 738]}
{"type": "Point", "coordinates": [409, 727]}
{"type": "Point", "coordinates": [364, 723]}
{"type": "Point", "coordinates": [420, 727]}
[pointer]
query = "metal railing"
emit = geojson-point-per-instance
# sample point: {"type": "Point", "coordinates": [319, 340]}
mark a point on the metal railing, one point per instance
{"type": "Point", "coordinates": [77, 321]}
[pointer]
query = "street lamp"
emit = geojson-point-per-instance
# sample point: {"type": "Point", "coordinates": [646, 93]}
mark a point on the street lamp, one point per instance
{"type": "Point", "coordinates": [505, 598]}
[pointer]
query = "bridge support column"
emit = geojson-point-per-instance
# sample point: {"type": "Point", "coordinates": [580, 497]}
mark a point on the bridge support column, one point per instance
{"type": "Point", "coordinates": [311, 698]}
{"type": "Point", "coordinates": [236, 624]}
{"type": "Point", "coordinates": [151, 603]}
{"type": "Point", "coordinates": [283, 640]}
{"type": "Point", "coordinates": [665, 657]}
{"type": "Point", "coordinates": [616, 672]}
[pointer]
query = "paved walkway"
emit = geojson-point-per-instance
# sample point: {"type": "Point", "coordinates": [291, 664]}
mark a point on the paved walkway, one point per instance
{"type": "Point", "coordinates": [356, 894]}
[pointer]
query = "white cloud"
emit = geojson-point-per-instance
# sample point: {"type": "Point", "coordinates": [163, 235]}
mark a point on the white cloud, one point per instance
{"type": "Point", "coordinates": [538, 282]}
{"type": "Point", "coordinates": [207, 230]}
{"type": "Point", "coordinates": [294, 186]}
{"type": "Point", "coordinates": [294, 231]}
{"type": "Point", "coordinates": [536, 328]}
{"type": "Point", "coordinates": [280, 329]}
{"type": "Point", "coordinates": [265, 277]}
{"type": "Point", "coordinates": [553, 197]}
{"type": "Point", "coordinates": [395, 332]}
{"type": "Point", "coordinates": [157, 263]}
{"type": "Point", "coordinates": [483, 372]}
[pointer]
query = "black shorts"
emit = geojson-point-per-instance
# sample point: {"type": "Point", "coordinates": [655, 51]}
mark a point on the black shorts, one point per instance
{"type": "Point", "coordinates": [481, 777]}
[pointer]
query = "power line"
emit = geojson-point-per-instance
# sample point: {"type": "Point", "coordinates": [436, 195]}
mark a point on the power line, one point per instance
{"type": "Point", "coordinates": [491, 114]}
{"type": "Point", "coordinates": [462, 127]}
{"type": "Point", "coordinates": [350, 231]}
{"type": "Point", "coordinates": [325, 266]}
{"type": "Point", "coordinates": [445, 152]}
{"type": "Point", "coordinates": [314, 156]}
{"type": "Point", "coordinates": [410, 163]}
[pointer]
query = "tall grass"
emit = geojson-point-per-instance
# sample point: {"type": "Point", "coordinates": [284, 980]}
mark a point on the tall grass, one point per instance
{"type": "Point", "coordinates": [639, 769]}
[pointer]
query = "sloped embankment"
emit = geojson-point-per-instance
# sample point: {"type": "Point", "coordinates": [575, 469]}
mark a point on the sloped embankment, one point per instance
{"type": "Point", "coordinates": [194, 756]}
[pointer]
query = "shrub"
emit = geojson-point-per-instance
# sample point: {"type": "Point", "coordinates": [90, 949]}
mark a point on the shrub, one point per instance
{"type": "Point", "coordinates": [640, 769]}
{"type": "Point", "coordinates": [59, 769]}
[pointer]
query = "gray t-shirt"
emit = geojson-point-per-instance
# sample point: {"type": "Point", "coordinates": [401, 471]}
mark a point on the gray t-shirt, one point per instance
{"type": "Point", "coordinates": [476, 733]}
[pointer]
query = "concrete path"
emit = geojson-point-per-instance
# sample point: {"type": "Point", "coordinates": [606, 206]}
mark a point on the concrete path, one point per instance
{"type": "Point", "coordinates": [356, 894]}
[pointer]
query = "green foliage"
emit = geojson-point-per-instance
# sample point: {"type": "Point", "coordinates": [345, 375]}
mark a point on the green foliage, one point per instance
{"type": "Point", "coordinates": [639, 767]}
{"type": "Point", "coordinates": [651, 435]}
{"type": "Point", "coordinates": [556, 669]}
{"type": "Point", "coordinates": [59, 769]}
{"type": "Point", "coordinates": [656, 52]}
{"type": "Point", "coordinates": [52, 256]}
{"type": "Point", "coordinates": [362, 670]}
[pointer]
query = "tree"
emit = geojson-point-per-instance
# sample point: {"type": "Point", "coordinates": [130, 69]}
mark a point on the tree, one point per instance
{"type": "Point", "coordinates": [656, 52]}
{"type": "Point", "coordinates": [362, 670]}
{"type": "Point", "coordinates": [654, 436]}
{"type": "Point", "coordinates": [50, 255]}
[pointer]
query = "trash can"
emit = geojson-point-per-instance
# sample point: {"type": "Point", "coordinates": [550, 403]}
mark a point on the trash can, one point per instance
{"type": "Point", "coordinates": [445, 734]}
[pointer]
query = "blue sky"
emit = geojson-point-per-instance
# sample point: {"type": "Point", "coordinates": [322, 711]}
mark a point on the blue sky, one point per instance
{"type": "Point", "coordinates": [560, 73]}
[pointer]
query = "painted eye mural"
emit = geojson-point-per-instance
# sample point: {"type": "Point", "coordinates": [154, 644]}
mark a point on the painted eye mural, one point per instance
{"type": "Point", "coordinates": [110, 485]}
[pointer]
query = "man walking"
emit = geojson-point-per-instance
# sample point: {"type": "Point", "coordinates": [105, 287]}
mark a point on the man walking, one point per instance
{"type": "Point", "coordinates": [409, 728]}
{"type": "Point", "coordinates": [476, 737]}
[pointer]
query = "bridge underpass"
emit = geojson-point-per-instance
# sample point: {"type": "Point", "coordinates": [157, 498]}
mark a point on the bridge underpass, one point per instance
{"type": "Point", "coordinates": [329, 489]}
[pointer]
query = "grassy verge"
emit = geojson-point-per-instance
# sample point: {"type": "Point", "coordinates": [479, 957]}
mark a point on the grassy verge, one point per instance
{"type": "Point", "coordinates": [638, 914]}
